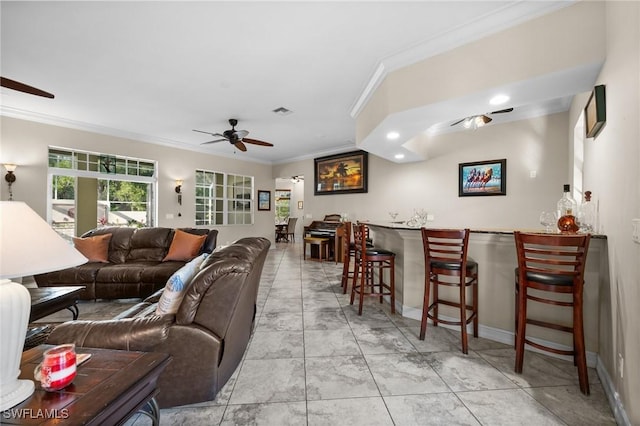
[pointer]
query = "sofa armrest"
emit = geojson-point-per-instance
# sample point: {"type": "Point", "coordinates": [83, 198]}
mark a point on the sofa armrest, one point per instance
{"type": "Point", "coordinates": [131, 334]}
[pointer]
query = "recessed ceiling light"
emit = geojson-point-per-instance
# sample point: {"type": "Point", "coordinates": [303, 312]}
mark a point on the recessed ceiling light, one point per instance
{"type": "Point", "coordinates": [399, 156]}
{"type": "Point", "coordinates": [499, 99]}
{"type": "Point", "coordinates": [393, 135]}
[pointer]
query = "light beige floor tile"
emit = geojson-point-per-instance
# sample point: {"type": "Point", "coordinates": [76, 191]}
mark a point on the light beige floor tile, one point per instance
{"type": "Point", "coordinates": [429, 410]}
{"type": "Point", "coordinates": [281, 414]}
{"type": "Point", "coordinates": [508, 407]}
{"type": "Point", "coordinates": [574, 408]}
{"type": "Point", "coordinates": [339, 377]}
{"type": "Point", "coordinates": [352, 412]}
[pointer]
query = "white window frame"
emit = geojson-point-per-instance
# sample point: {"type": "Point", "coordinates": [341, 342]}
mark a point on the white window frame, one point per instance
{"type": "Point", "coordinates": [218, 205]}
{"type": "Point", "coordinates": [75, 172]}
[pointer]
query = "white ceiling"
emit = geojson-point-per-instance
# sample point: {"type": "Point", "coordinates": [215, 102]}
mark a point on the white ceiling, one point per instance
{"type": "Point", "coordinates": [153, 71]}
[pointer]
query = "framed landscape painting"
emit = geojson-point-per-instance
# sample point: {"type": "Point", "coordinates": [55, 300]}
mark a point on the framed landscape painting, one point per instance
{"type": "Point", "coordinates": [264, 200]}
{"type": "Point", "coordinates": [482, 178]}
{"type": "Point", "coordinates": [341, 173]}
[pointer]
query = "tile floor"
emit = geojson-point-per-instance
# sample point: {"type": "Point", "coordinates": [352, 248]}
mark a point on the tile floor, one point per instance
{"type": "Point", "coordinates": [313, 361]}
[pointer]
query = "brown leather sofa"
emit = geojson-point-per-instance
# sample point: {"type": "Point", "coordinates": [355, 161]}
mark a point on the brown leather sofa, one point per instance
{"type": "Point", "coordinates": [135, 267]}
{"type": "Point", "coordinates": [206, 338]}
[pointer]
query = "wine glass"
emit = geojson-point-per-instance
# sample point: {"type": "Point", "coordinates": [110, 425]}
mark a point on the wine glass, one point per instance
{"type": "Point", "coordinates": [393, 215]}
{"type": "Point", "coordinates": [548, 220]}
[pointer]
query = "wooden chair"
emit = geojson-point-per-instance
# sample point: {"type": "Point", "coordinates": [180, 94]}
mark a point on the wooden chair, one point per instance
{"type": "Point", "coordinates": [551, 263]}
{"type": "Point", "coordinates": [291, 229]}
{"type": "Point", "coordinates": [366, 260]}
{"type": "Point", "coordinates": [446, 263]}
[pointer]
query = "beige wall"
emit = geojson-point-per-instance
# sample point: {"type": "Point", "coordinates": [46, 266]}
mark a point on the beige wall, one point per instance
{"type": "Point", "coordinates": [25, 143]}
{"type": "Point", "coordinates": [611, 171]}
{"type": "Point", "coordinates": [535, 144]}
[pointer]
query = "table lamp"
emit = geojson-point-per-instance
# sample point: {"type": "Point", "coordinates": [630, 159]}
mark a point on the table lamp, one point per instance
{"type": "Point", "coordinates": [28, 246]}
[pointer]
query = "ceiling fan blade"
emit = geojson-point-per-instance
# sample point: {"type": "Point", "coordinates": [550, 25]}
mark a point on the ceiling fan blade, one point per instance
{"type": "Point", "coordinates": [240, 146]}
{"type": "Point", "coordinates": [256, 142]}
{"type": "Point", "coordinates": [458, 122]}
{"type": "Point", "coordinates": [21, 87]}
{"type": "Point", "coordinates": [214, 141]}
{"type": "Point", "coordinates": [208, 133]}
{"type": "Point", "coordinates": [502, 111]}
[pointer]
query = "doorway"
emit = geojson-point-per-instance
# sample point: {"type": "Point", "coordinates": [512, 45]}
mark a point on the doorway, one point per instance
{"type": "Point", "coordinates": [289, 200]}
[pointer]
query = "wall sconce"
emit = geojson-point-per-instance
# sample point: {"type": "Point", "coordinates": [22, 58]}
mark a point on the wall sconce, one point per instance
{"type": "Point", "coordinates": [10, 177]}
{"type": "Point", "coordinates": [179, 190]}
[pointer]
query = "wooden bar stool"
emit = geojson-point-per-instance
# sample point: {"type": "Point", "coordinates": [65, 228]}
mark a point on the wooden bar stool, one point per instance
{"type": "Point", "coordinates": [323, 246]}
{"type": "Point", "coordinates": [348, 251]}
{"type": "Point", "coordinates": [551, 263]}
{"type": "Point", "coordinates": [446, 263]}
{"type": "Point", "coordinates": [366, 260]}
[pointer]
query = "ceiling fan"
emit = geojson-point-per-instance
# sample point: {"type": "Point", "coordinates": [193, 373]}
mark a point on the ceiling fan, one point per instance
{"type": "Point", "coordinates": [21, 87]}
{"type": "Point", "coordinates": [476, 121]}
{"type": "Point", "coordinates": [234, 137]}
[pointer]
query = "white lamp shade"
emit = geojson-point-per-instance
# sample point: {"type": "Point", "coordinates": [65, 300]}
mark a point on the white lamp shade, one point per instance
{"type": "Point", "coordinates": [29, 246]}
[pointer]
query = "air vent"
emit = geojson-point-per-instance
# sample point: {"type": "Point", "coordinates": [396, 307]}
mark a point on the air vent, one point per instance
{"type": "Point", "coordinates": [282, 111]}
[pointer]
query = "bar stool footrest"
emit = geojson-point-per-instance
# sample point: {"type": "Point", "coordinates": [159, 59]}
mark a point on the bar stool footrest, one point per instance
{"type": "Point", "coordinates": [553, 326]}
{"type": "Point", "coordinates": [550, 349]}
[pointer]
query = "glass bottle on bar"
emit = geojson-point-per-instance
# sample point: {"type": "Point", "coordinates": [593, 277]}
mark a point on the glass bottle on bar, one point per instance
{"type": "Point", "coordinates": [567, 209]}
{"type": "Point", "coordinates": [587, 214]}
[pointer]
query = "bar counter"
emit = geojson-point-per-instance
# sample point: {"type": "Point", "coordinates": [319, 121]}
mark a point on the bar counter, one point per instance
{"type": "Point", "coordinates": [495, 252]}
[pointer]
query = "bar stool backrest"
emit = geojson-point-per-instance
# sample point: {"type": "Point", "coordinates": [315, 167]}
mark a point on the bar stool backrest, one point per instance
{"type": "Point", "coordinates": [546, 261]}
{"type": "Point", "coordinates": [360, 232]}
{"type": "Point", "coordinates": [446, 248]}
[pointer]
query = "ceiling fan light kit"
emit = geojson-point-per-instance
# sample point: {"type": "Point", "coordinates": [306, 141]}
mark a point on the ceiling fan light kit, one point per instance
{"type": "Point", "coordinates": [235, 137]}
{"type": "Point", "coordinates": [475, 121]}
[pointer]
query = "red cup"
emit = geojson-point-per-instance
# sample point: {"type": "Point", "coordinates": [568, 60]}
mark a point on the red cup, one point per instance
{"type": "Point", "coordinates": [58, 368]}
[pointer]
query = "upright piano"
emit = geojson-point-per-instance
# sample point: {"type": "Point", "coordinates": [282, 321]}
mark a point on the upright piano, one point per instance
{"type": "Point", "coordinates": [327, 229]}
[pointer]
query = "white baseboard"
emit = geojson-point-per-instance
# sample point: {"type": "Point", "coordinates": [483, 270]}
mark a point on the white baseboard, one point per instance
{"type": "Point", "coordinates": [614, 398]}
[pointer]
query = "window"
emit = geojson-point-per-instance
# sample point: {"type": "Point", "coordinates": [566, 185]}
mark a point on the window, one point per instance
{"type": "Point", "coordinates": [62, 158]}
{"type": "Point", "coordinates": [283, 203]}
{"type": "Point", "coordinates": [124, 196]}
{"type": "Point", "coordinates": [223, 199]}
{"type": "Point", "coordinates": [124, 203]}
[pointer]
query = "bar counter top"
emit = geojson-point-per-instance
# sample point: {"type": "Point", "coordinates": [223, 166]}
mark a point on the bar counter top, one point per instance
{"type": "Point", "coordinates": [503, 231]}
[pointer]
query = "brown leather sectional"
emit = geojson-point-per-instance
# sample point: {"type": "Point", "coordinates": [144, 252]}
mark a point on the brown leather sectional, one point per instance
{"type": "Point", "coordinates": [206, 338]}
{"type": "Point", "coordinates": [135, 267]}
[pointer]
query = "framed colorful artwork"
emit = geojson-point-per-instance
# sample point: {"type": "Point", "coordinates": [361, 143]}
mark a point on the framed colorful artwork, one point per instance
{"type": "Point", "coordinates": [341, 173]}
{"type": "Point", "coordinates": [482, 178]}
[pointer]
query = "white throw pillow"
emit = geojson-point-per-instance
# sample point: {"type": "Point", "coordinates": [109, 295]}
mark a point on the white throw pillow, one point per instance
{"type": "Point", "coordinates": [177, 284]}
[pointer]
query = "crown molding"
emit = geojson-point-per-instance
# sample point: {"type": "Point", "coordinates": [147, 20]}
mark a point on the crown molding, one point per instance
{"type": "Point", "coordinates": [109, 131]}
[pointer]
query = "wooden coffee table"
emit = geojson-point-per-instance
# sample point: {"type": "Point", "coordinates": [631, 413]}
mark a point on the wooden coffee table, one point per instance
{"type": "Point", "coordinates": [108, 389]}
{"type": "Point", "coordinates": [47, 300]}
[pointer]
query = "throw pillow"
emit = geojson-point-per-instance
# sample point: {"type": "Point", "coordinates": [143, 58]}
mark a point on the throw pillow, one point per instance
{"type": "Point", "coordinates": [176, 286]}
{"type": "Point", "coordinates": [96, 249]}
{"type": "Point", "coordinates": [184, 246]}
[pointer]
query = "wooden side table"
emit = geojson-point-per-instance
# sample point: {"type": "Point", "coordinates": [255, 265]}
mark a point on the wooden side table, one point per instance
{"type": "Point", "coordinates": [322, 243]}
{"type": "Point", "coordinates": [108, 389]}
{"type": "Point", "coordinates": [47, 300]}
